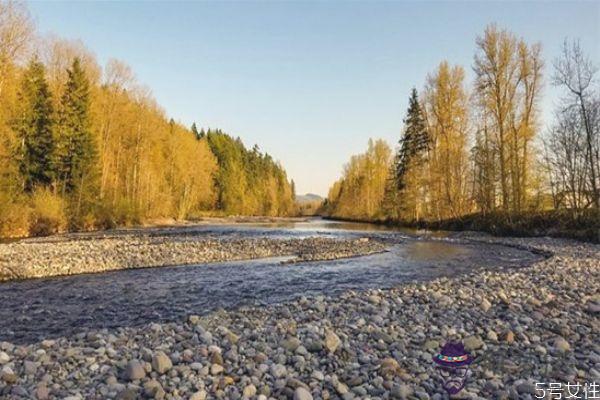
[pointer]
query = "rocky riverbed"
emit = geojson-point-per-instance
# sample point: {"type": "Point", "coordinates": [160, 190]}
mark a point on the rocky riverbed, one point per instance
{"type": "Point", "coordinates": [69, 256]}
{"type": "Point", "coordinates": [537, 324]}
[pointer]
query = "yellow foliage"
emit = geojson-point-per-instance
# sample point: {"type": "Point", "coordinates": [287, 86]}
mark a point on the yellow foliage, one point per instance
{"type": "Point", "coordinates": [48, 213]}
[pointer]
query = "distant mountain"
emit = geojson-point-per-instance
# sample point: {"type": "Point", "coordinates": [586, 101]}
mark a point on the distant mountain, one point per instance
{"type": "Point", "coordinates": [308, 198]}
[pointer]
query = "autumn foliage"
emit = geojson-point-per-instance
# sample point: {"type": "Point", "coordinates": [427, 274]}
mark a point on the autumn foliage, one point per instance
{"type": "Point", "coordinates": [478, 148]}
{"type": "Point", "coordinates": [84, 146]}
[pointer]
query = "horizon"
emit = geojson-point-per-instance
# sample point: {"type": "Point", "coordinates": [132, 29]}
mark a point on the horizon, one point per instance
{"type": "Point", "coordinates": [306, 74]}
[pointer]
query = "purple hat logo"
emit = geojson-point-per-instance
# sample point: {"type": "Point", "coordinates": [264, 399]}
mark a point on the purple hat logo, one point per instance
{"type": "Point", "coordinates": [453, 362]}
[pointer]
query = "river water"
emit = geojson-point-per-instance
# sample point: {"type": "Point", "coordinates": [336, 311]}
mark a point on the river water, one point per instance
{"type": "Point", "coordinates": [45, 308]}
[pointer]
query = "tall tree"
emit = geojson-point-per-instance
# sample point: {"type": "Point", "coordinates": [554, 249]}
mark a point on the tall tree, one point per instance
{"type": "Point", "coordinates": [446, 110]}
{"type": "Point", "coordinates": [76, 148]}
{"type": "Point", "coordinates": [409, 164]}
{"type": "Point", "coordinates": [483, 155]}
{"type": "Point", "coordinates": [414, 141]}
{"type": "Point", "coordinates": [195, 132]}
{"type": "Point", "coordinates": [16, 33]}
{"type": "Point", "coordinates": [507, 87]}
{"type": "Point", "coordinates": [33, 126]}
{"type": "Point", "coordinates": [361, 191]}
{"type": "Point", "coordinates": [575, 72]}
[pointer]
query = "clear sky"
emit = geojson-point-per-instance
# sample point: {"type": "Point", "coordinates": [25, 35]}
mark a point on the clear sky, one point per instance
{"type": "Point", "coordinates": [309, 82]}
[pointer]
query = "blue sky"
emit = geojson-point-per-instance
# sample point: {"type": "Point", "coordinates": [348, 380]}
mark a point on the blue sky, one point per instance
{"type": "Point", "coordinates": [309, 82]}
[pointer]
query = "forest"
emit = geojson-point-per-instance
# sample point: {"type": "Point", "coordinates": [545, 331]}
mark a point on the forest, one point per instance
{"type": "Point", "coordinates": [476, 155]}
{"type": "Point", "coordinates": [84, 146]}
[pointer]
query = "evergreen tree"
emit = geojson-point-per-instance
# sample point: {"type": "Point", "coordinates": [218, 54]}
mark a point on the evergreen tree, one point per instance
{"type": "Point", "coordinates": [390, 204]}
{"type": "Point", "coordinates": [414, 142]}
{"type": "Point", "coordinates": [33, 127]}
{"type": "Point", "coordinates": [76, 148]}
{"type": "Point", "coordinates": [194, 130]}
{"type": "Point", "coordinates": [293, 189]}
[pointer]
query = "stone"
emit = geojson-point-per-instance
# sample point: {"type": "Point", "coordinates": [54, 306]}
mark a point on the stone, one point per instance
{"type": "Point", "coordinates": [525, 388]}
{"type": "Point", "coordinates": [389, 367]}
{"type": "Point", "coordinates": [152, 388]}
{"type": "Point", "coordinates": [161, 363]}
{"type": "Point", "coordinates": [135, 370]}
{"type": "Point", "coordinates": [232, 337]}
{"type": "Point", "coordinates": [290, 344]}
{"type": "Point", "coordinates": [278, 370]}
{"type": "Point", "coordinates": [561, 345]}
{"type": "Point", "coordinates": [473, 343]}
{"type": "Point", "coordinates": [332, 341]}
{"type": "Point", "coordinates": [593, 308]}
{"type": "Point", "coordinates": [431, 345]}
{"type": "Point", "coordinates": [8, 375]}
{"type": "Point", "coordinates": [41, 392]}
{"type": "Point", "coordinates": [318, 375]}
{"type": "Point", "coordinates": [19, 391]}
{"type": "Point", "coordinates": [302, 394]}
{"type": "Point", "coordinates": [216, 369]}
{"type": "Point", "coordinates": [196, 366]}
{"type": "Point", "coordinates": [401, 392]}
{"type": "Point", "coordinates": [314, 346]}
{"type": "Point", "coordinates": [199, 395]}
{"type": "Point", "coordinates": [30, 367]}
{"type": "Point", "coordinates": [485, 305]}
{"type": "Point", "coordinates": [4, 358]}
{"type": "Point", "coordinates": [127, 394]}
{"type": "Point", "coordinates": [341, 388]}
{"type": "Point", "coordinates": [249, 391]}
{"type": "Point", "coordinates": [491, 335]}
{"type": "Point", "coordinates": [216, 358]}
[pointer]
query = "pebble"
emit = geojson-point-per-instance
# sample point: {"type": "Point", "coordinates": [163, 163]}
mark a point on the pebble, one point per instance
{"type": "Point", "coordinates": [135, 370]}
{"type": "Point", "coordinates": [485, 305]}
{"type": "Point", "coordinates": [332, 341]}
{"type": "Point", "coordinates": [278, 370]}
{"type": "Point", "coordinates": [561, 345]}
{"type": "Point", "coordinates": [199, 395]}
{"type": "Point", "coordinates": [216, 369]}
{"type": "Point", "coordinates": [36, 259]}
{"type": "Point", "coordinates": [161, 363]}
{"type": "Point", "coordinates": [473, 343]}
{"type": "Point", "coordinates": [372, 344]}
{"type": "Point", "coordinates": [302, 394]}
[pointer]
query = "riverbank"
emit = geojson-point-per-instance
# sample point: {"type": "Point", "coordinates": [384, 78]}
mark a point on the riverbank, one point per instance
{"type": "Point", "coordinates": [538, 324]}
{"type": "Point", "coordinates": [584, 226]}
{"type": "Point", "coordinates": [70, 255]}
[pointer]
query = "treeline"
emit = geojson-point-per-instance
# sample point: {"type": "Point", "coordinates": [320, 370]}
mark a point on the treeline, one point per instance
{"type": "Point", "coordinates": [480, 147]}
{"type": "Point", "coordinates": [85, 147]}
{"type": "Point", "coordinates": [249, 182]}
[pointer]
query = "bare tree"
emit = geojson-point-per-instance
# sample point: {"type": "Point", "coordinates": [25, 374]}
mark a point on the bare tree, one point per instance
{"type": "Point", "coordinates": [16, 32]}
{"type": "Point", "coordinates": [574, 71]}
{"type": "Point", "coordinates": [567, 160]}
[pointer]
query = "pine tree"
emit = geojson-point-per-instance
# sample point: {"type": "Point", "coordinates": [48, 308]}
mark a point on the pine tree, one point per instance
{"type": "Point", "coordinates": [194, 130]}
{"type": "Point", "coordinates": [390, 203]}
{"type": "Point", "coordinates": [76, 148]}
{"type": "Point", "coordinates": [33, 126]}
{"type": "Point", "coordinates": [414, 142]}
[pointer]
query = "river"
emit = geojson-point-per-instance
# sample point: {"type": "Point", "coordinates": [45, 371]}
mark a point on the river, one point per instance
{"type": "Point", "coordinates": [45, 308]}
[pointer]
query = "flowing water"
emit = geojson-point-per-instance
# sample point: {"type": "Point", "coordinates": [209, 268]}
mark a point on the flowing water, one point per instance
{"type": "Point", "coordinates": [44, 308]}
